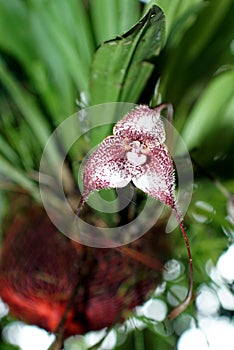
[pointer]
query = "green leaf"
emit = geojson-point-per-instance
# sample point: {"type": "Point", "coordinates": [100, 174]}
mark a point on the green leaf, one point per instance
{"type": "Point", "coordinates": [16, 175]}
{"type": "Point", "coordinates": [201, 51]}
{"type": "Point", "coordinates": [109, 18]}
{"type": "Point", "coordinates": [8, 151]}
{"type": "Point", "coordinates": [53, 44]}
{"type": "Point", "coordinates": [122, 67]}
{"type": "Point", "coordinates": [14, 29]}
{"type": "Point", "coordinates": [31, 113]}
{"type": "Point", "coordinates": [4, 346]}
{"type": "Point", "coordinates": [210, 110]}
{"type": "Point", "coordinates": [175, 10]}
{"type": "Point", "coordinates": [64, 44]}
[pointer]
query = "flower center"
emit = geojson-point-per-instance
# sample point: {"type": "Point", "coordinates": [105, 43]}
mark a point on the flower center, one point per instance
{"type": "Point", "coordinates": [137, 154]}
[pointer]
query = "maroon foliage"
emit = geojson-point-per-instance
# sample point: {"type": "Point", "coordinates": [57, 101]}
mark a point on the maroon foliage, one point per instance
{"type": "Point", "coordinates": [43, 274]}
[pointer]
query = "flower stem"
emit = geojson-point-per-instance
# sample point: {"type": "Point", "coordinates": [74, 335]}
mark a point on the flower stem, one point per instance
{"type": "Point", "coordinates": [181, 307]}
{"type": "Point", "coordinates": [79, 206]}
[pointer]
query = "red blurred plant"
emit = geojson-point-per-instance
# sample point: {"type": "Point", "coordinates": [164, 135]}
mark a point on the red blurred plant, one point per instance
{"type": "Point", "coordinates": [137, 152]}
{"type": "Point", "coordinates": [67, 288]}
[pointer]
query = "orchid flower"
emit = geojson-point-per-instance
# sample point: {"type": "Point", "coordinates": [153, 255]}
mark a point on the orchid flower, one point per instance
{"type": "Point", "coordinates": [137, 152]}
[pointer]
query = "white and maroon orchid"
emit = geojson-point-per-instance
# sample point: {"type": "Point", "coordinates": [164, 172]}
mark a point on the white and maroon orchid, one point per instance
{"type": "Point", "coordinates": [137, 152]}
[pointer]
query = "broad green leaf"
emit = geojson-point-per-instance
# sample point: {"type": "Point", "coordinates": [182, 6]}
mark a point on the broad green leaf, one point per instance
{"type": "Point", "coordinates": [122, 67]}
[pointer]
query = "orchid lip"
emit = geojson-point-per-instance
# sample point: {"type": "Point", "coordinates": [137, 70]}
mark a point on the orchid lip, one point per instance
{"type": "Point", "coordinates": [137, 153]}
{"type": "Point", "coordinates": [136, 159]}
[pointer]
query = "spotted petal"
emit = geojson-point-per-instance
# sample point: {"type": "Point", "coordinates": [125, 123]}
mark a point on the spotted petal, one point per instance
{"type": "Point", "coordinates": [106, 167]}
{"type": "Point", "coordinates": [158, 177]}
{"type": "Point", "coordinates": [143, 124]}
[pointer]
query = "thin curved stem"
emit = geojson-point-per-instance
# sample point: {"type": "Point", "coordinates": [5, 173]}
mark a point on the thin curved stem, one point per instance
{"type": "Point", "coordinates": [169, 118]}
{"type": "Point", "coordinates": [169, 108]}
{"type": "Point", "coordinates": [79, 206]}
{"type": "Point", "coordinates": [181, 307]}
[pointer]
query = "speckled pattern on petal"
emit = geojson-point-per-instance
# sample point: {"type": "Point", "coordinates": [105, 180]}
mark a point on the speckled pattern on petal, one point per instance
{"type": "Point", "coordinates": [158, 178]}
{"type": "Point", "coordinates": [135, 152]}
{"type": "Point", "coordinates": [140, 124]}
{"type": "Point", "coordinates": [105, 168]}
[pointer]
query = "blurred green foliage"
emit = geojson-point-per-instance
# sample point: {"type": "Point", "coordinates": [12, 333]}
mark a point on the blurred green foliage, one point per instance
{"type": "Point", "coordinates": [53, 61]}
